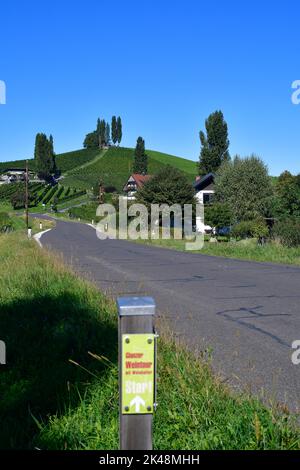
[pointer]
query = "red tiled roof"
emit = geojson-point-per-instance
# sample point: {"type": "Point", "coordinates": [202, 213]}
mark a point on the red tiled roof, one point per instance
{"type": "Point", "coordinates": [140, 179]}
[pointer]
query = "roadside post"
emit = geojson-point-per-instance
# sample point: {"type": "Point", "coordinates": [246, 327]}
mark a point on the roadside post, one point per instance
{"type": "Point", "coordinates": [137, 371]}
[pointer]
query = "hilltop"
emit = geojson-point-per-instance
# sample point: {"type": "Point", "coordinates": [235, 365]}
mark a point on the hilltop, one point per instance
{"type": "Point", "coordinates": [81, 169]}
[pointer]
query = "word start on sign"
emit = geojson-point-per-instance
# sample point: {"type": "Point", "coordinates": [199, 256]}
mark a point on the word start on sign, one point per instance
{"type": "Point", "coordinates": [138, 373]}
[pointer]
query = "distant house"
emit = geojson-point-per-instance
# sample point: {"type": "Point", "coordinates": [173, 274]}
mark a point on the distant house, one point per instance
{"type": "Point", "coordinates": [15, 175]}
{"type": "Point", "coordinates": [135, 182]}
{"type": "Point", "coordinates": [205, 190]}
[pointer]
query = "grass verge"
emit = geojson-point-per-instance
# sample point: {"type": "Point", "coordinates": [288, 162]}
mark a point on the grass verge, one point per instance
{"type": "Point", "coordinates": [59, 389]}
{"type": "Point", "coordinates": [245, 250]}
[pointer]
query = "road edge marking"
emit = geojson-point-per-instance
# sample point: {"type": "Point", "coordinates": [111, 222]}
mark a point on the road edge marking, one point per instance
{"type": "Point", "coordinates": [37, 236]}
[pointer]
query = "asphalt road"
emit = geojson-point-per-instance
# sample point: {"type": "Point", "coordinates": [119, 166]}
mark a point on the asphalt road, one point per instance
{"type": "Point", "coordinates": [247, 313]}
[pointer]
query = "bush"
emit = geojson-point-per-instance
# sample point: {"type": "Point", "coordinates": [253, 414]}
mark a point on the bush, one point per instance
{"type": "Point", "coordinates": [5, 223]}
{"type": "Point", "coordinates": [259, 229]}
{"type": "Point", "coordinates": [245, 186]}
{"type": "Point", "coordinates": [218, 215]}
{"type": "Point", "coordinates": [288, 232]}
{"type": "Point", "coordinates": [110, 189]}
{"type": "Point", "coordinates": [250, 229]}
{"type": "Point", "coordinates": [18, 199]}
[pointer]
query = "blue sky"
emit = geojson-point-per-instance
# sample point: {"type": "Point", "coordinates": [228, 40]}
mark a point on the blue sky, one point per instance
{"type": "Point", "coordinates": [164, 66]}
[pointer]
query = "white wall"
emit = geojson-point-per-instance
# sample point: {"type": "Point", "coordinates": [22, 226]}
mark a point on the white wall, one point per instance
{"type": "Point", "coordinates": [199, 194]}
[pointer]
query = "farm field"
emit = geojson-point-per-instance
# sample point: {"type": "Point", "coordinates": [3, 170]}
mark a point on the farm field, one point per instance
{"type": "Point", "coordinates": [83, 169]}
{"type": "Point", "coordinates": [65, 161]}
{"type": "Point", "coordinates": [115, 167]}
{"type": "Point", "coordinates": [42, 196]}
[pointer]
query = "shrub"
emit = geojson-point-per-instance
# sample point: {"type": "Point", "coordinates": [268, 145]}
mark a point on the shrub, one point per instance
{"type": "Point", "coordinates": [18, 199]}
{"type": "Point", "coordinates": [5, 223]}
{"type": "Point", "coordinates": [250, 229]}
{"type": "Point", "coordinates": [218, 215]}
{"type": "Point", "coordinates": [288, 232]}
{"type": "Point", "coordinates": [259, 229]}
{"type": "Point", "coordinates": [110, 189]}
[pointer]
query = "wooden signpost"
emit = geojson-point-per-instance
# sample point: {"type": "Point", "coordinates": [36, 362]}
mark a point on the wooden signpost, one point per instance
{"type": "Point", "coordinates": [136, 371]}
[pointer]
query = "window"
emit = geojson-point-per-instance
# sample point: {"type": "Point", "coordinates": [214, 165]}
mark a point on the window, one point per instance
{"type": "Point", "coordinates": [207, 198]}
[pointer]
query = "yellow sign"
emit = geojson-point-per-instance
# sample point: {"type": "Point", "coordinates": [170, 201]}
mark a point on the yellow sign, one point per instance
{"type": "Point", "coordinates": [138, 373]}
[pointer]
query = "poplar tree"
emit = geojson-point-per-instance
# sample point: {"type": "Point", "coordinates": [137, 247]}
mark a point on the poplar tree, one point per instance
{"type": "Point", "coordinates": [140, 164]}
{"type": "Point", "coordinates": [98, 131]}
{"type": "Point", "coordinates": [44, 155]}
{"type": "Point", "coordinates": [54, 168]}
{"type": "Point", "coordinates": [119, 130]}
{"type": "Point", "coordinates": [114, 134]}
{"type": "Point", "coordinates": [107, 134]}
{"type": "Point", "coordinates": [214, 144]}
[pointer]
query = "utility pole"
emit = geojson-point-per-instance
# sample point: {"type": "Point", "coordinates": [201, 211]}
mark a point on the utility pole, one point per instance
{"type": "Point", "coordinates": [101, 192]}
{"type": "Point", "coordinates": [26, 195]}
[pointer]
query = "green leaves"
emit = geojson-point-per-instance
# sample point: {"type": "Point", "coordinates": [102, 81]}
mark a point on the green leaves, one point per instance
{"type": "Point", "coordinates": [44, 155]}
{"type": "Point", "coordinates": [140, 165]}
{"type": "Point", "coordinates": [214, 144]}
{"type": "Point", "coordinates": [244, 185]}
{"type": "Point", "coordinates": [168, 186]}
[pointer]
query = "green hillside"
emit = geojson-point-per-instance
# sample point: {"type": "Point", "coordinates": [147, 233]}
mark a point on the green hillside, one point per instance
{"type": "Point", "coordinates": [83, 168]}
{"type": "Point", "coordinates": [116, 165]}
{"type": "Point", "coordinates": [16, 164]}
{"type": "Point", "coordinates": [187, 166]}
{"type": "Point", "coordinates": [65, 161]}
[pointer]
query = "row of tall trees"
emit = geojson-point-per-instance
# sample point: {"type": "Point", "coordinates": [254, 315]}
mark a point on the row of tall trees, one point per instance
{"type": "Point", "coordinates": [105, 134]}
{"type": "Point", "coordinates": [44, 156]}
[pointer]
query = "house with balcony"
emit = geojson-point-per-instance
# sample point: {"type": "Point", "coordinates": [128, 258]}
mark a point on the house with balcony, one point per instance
{"type": "Point", "coordinates": [135, 182]}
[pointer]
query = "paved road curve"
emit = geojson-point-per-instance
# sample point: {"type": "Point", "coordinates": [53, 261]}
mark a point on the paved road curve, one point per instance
{"type": "Point", "coordinates": [247, 312]}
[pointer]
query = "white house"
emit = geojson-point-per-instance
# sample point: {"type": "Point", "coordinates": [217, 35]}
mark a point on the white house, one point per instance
{"type": "Point", "coordinates": [135, 182]}
{"type": "Point", "coordinates": [204, 188]}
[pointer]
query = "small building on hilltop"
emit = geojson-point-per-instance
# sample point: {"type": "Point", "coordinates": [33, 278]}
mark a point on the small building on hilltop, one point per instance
{"type": "Point", "coordinates": [135, 182]}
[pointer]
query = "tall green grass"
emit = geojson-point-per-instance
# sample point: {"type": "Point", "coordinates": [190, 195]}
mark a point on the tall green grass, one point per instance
{"type": "Point", "coordinates": [246, 250]}
{"type": "Point", "coordinates": [60, 387]}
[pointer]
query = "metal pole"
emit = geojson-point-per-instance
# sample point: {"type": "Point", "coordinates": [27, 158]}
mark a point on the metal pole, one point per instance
{"type": "Point", "coordinates": [136, 371]}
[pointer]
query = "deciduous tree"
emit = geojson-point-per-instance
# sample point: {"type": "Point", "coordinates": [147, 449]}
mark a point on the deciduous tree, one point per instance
{"type": "Point", "coordinates": [214, 144]}
{"type": "Point", "coordinates": [245, 186]}
{"type": "Point", "coordinates": [168, 186]}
